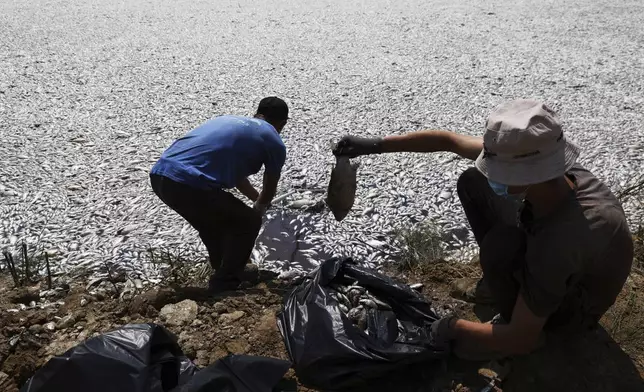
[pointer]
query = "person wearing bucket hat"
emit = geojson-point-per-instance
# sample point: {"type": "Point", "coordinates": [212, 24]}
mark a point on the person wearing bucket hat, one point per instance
{"type": "Point", "coordinates": [554, 244]}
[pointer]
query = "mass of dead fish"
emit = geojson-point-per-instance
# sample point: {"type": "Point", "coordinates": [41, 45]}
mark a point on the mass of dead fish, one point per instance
{"type": "Point", "coordinates": [355, 302]}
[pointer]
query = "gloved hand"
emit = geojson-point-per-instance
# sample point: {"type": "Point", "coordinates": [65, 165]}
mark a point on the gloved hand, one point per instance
{"type": "Point", "coordinates": [441, 333]}
{"type": "Point", "coordinates": [353, 146]}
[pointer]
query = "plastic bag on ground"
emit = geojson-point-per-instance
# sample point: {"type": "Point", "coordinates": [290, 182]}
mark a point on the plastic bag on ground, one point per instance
{"type": "Point", "coordinates": [238, 373]}
{"type": "Point", "coordinates": [134, 358]}
{"type": "Point", "coordinates": [330, 353]}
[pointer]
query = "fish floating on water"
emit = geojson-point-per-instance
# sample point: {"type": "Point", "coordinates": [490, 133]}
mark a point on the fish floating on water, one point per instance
{"type": "Point", "coordinates": [342, 187]}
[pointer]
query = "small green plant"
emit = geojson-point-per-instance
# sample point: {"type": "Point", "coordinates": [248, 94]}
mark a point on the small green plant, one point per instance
{"type": "Point", "coordinates": [420, 244]}
{"type": "Point", "coordinates": [176, 267]}
{"type": "Point", "coordinates": [25, 269]}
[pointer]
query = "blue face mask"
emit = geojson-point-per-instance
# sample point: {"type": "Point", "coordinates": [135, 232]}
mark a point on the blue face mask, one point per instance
{"type": "Point", "coordinates": [502, 190]}
{"type": "Point", "coordinates": [499, 189]}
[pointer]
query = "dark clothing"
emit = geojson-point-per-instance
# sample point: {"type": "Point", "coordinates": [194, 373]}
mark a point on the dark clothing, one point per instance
{"type": "Point", "coordinates": [227, 226]}
{"type": "Point", "coordinates": [568, 266]}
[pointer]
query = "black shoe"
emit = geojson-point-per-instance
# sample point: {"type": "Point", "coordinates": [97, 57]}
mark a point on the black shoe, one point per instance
{"type": "Point", "coordinates": [250, 274]}
{"type": "Point", "coordinates": [218, 285]}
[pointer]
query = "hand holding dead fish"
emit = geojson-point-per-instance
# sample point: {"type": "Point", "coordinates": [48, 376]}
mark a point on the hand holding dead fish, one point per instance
{"type": "Point", "coordinates": [352, 146]}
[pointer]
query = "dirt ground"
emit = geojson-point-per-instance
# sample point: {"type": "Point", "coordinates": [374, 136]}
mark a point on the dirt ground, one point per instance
{"type": "Point", "coordinates": [244, 322]}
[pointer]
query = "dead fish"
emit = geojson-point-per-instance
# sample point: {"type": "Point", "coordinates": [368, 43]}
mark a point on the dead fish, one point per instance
{"type": "Point", "coordinates": [369, 303]}
{"type": "Point", "coordinates": [341, 192]}
{"type": "Point", "coordinates": [302, 203]}
{"type": "Point", "coordinates": [416, 286]}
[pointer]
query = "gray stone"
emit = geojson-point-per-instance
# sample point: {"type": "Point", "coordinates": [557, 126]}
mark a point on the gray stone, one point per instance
{"type": "Point", "coordinates": [50, 326]}
{"type": "Point", "coordinates": [66, 322]}
{"type": "Point", "coordinates": [36, 329]}
{"type": "Point", "coordinates": [182, 313]}
{"type": "Point", "coordinates": [220, 307]}
{"type": "Point", "coordinates": [228, 318]}
{"type": "Point", "coordinates": [238, 346]}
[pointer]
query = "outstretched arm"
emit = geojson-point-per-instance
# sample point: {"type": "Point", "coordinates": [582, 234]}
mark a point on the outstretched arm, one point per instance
{"type": "Point", "coordinates": [433, 141]}
{"type": "Point", "coordinates": [421, 141]}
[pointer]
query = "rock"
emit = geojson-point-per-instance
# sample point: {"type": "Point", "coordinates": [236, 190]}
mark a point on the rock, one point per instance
{"type": "Point", "coordinates": [238, 346]}
{"type": "Point", "coordinates": [220, 307]}
{"type": "Point", "coordinates": [4, 381]}
{"type": "Point", "coordinates": [197, 323]}
{"type": "Point", "coordinates": [267, 324]}
{"type": "Point", "coordinates": [36, 329]}
{"type": "Point", "coordinates": [157, 298]}
{"type": "Point", "coordinates": [218, 354]}
{"type": "Point", "coordinates": [228, 318]}
{"type": "Point", "coordinates": [83, 301]}
{"type": "Point", "coordinates": [182, 313]}
{"type": "Point", "coordinates": [66, 322]}
{"type": "Point", "coordinates": [189, 350]}
{"type": "Point", "coordinates": [50, 326]}
{"type": "Point", "coordinates": [202, 357]}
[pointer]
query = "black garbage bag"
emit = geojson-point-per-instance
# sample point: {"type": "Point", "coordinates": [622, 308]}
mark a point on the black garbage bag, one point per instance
{"type": "Point", "coordinates": [134, 358]}
{"type": "Point", "coordinates": [330, 353]}
{"type": "Point", "coordinates": [238, 373]}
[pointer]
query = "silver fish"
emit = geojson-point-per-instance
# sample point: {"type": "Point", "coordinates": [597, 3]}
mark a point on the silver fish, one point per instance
{"type": "Point", "coordinates": [341, 192]}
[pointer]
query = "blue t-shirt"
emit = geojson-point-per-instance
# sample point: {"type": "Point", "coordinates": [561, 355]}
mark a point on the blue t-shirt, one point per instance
{"type": "Point", "coordinates": [221, 152]}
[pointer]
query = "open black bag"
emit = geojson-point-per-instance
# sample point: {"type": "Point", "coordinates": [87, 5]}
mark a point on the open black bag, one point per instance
{"type": "Point", "coordinates": [329, 353]}
{"type": "Point", "coordinates": [134, 358]}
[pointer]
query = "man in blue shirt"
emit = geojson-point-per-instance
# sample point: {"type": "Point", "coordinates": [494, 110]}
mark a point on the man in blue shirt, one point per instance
{"type": "Point", "coordinates": [193, 174]}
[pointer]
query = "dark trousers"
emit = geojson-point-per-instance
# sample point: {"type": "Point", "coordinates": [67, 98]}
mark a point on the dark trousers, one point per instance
{"type": "Point", "coordinates": [227, 226]}
{"type": "Point", "coordinates": [502, 244]}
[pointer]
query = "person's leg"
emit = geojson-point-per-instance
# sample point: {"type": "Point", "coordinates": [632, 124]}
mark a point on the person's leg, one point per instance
{"type": "Point", "coordinates": [242, 227]}
{"type": "Point", "coordinates": [502, 253]}
{"type": "Point", "coordinates": [483, 208]}
{"type": "Point", "coordinates": [197, 207]}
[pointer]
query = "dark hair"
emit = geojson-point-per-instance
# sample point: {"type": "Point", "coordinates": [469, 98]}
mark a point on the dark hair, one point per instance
{"type": "Point", "coordinates": [274, 109]}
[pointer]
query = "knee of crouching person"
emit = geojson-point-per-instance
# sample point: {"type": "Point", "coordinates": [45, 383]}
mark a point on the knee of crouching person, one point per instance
{"type": "Point", "coordinates": [502, 247]}
{"type": "Point", "coordinates": [468, 179]}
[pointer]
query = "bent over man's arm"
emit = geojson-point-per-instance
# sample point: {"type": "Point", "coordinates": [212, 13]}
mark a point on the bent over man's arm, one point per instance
{"type": "Point", "coordinates": [247, 189]}
{"type": "Point", "coordinates": [269, 188]}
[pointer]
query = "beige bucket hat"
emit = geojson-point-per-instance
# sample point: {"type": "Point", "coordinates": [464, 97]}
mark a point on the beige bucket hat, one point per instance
{"type": "Point", "coordinates": [524, 144]}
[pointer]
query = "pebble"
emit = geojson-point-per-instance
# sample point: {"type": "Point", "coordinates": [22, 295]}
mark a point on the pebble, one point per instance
{"type": "Point", "coordinates": [50, 326]}
{"type": "Point", "coordinates": [220, 307]}
{"type": "Point", "coordinates": [36, 329]}
{"type": "Point", "coordinates": [228, 318]}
